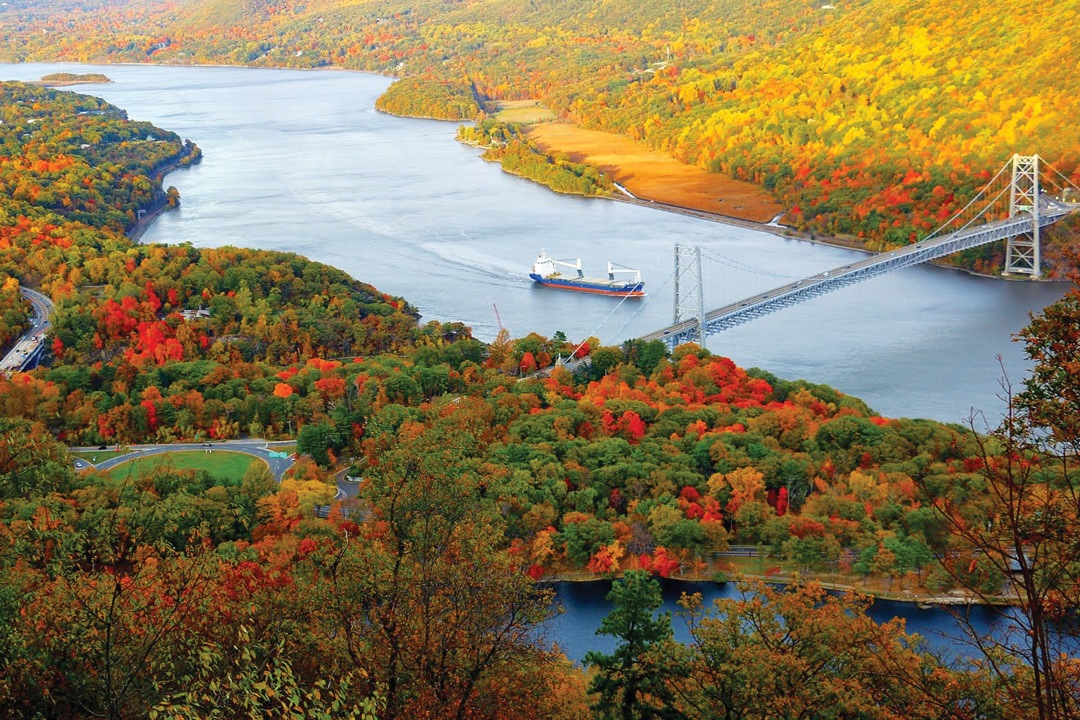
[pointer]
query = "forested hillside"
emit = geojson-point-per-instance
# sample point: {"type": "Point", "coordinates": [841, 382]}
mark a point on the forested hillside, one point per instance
{"type": "Point", "coordinates": [175, 593]}
{"type": "Point", "coordinates": [867, 117]}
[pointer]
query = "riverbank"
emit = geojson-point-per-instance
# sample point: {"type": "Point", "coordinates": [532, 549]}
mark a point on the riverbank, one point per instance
{"type": "Point", "coordinates": [919, 599]}
{"type": "Point", "coordinates": [651, 178]}
{"type": "Point", "coordinates": [955, 598]}
{"type": "Point", "coordinates": [150, 214]}
{"type": "Point", "coordinates": [146, 219]}
{"type": "Point", "coordinates": [648, 174]}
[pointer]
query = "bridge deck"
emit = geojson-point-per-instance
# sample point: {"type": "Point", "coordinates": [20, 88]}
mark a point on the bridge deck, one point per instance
{"type": "Point", "coordinates": [770, 301]}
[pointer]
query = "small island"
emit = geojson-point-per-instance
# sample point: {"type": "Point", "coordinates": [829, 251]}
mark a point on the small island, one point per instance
{"type": "Point", "coordinates": [63, 79]}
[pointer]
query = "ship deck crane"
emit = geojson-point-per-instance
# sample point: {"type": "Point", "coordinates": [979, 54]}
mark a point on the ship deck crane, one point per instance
{"type": "Point", "coordinates": [612, 269]}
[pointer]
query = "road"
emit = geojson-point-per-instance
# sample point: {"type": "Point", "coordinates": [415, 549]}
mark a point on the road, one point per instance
{"type": "Point", "coordinates": [255, 447]}
{"type": "Point", "coordinates": [31, 343]}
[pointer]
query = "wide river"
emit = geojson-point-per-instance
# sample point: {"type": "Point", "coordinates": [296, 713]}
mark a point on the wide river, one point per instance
{"type": "Point", "coordinates": [302, 162]}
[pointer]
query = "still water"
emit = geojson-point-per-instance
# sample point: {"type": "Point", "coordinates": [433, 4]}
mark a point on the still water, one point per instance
{"type": "Point", "coordinates": [585, 605]}
{"type": "Point", "coordinates": [301, 161]}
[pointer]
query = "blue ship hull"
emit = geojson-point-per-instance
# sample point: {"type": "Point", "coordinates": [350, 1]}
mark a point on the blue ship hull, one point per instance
{"type": "Point", "coordinates": [590, 285]}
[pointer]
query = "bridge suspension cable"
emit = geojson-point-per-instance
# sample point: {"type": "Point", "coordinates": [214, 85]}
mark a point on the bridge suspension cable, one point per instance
{"type": "Point", "coordinates": [643, 303]}
{"type": "Point", "coordinates": [1069, 183]}
{"type": "Point", "coordinates": [982, 193]}
{"type": "Point", "coordinates": [729, 262]}
{"type": "Point", "coordinates": [599, 325]}
{"type": "Point", "coordinates": [1029, 210]}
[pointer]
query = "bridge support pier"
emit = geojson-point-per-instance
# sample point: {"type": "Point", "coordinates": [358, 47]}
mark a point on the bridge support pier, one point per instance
{"type": "Point", "coordinates": [1022, 251]}
{"type": "Point", "coordinates": [689, 294]}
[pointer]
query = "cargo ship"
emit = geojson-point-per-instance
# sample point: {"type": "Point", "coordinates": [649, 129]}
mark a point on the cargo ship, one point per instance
{"type": "Point", "coordinates": [545, 271]}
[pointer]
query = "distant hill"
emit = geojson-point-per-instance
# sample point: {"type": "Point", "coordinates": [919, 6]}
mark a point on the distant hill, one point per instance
{"type": "Point", "coordinates": [864, 116]}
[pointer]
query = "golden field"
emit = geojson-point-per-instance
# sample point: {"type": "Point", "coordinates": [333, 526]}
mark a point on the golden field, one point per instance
{"type": "Point", "coordinates": [654, 175]}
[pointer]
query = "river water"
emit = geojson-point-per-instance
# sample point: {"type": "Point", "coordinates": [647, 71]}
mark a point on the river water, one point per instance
{"type": "Point", "coordinates": [301, 161]}
{"type": "Point", "coordinates": [942, 631]}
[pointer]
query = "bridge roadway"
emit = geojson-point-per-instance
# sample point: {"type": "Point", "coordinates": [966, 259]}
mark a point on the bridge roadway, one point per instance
{"type": "Point", "coordinates": [770, 301]}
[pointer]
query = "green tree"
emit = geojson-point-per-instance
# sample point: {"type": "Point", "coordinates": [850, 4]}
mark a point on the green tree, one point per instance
{"type": "Point", "coordinates": [1026, 529]}
{"type": "Point", "coordinates": [584, 538]}
{"type": "Point", "coordinates": [314, 440]}
{"type": "Point", "coordinates": [627, 684]}
{"type": "Point", "coordinates": [1050, 400]}
{"type": "Point", "coordinates": [425, 603]}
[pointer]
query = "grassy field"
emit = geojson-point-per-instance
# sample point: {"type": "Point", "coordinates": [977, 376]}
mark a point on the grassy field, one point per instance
{"type": "Point", "coordinates": [522, 111]}
{"type": "Point", "coordinates": [223, 465]}
{"type": "Point", "coordinates": [654, 175]}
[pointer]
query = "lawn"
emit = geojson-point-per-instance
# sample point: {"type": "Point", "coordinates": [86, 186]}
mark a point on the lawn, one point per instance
{"type": "Point", "coordinates": [222, 465]}
{"type": "Point", "coordinates": [523, 111]}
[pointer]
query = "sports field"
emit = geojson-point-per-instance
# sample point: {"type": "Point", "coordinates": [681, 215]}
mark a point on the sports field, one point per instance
{"type": "Point", "coordinates": [222, 465]}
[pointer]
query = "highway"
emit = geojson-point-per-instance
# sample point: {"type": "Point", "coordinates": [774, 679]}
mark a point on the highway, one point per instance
{"type": "Point", "coordinates": [29, 347]}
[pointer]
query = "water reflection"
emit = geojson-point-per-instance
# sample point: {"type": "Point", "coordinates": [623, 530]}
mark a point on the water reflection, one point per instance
{"type": "Point", "coordinates": [585, 605]}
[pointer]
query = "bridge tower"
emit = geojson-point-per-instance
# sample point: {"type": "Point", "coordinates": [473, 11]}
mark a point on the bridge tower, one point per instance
{"type": "Point", "coordinates": [1022, 251]}
{"type": "Point", "coordinates": [689, 294]}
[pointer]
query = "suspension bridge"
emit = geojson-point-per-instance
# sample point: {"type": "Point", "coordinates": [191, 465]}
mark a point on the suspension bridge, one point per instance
{"type": "Point", "coordinates": [1015, 213]}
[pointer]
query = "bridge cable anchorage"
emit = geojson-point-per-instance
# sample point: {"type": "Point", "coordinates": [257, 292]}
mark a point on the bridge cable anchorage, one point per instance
{"type": "Point", "coordinates": [596, 330]}
{"type": "Point", "coordinates": [1071, 186]}
{"type": "Point", "coordinates": [1030, 210]}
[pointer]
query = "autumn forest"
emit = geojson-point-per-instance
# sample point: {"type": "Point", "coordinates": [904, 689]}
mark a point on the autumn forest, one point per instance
{"type": "Point", "coordinates": [863, 118]}
{"type": "Point", "coordinates": [484, 473]}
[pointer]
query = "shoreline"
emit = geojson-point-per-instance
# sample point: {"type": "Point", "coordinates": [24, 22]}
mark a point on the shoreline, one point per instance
{"type": "Point", "coordinates": [150, 214]}
{"type": "Point", "coordinates": [775, 229]}
{"type": "Point", "coordinates": [790, 233]}
{"type": "Point", "coordinates": [939, 601]}
{"type": "Point", "coordinates": [136, 231]}
{"type": "Point", "coordinates": [778, 230]}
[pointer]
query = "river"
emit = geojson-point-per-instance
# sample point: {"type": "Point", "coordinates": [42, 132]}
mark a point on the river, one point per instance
{"type": "Point", "coordinates": [585, 605]}
{"type": "Point", "coordinates": [301, 161]}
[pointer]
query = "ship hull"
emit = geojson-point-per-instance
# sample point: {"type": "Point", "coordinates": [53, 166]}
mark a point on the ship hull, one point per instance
{"type": "Point", "coordinates": [598, 287]}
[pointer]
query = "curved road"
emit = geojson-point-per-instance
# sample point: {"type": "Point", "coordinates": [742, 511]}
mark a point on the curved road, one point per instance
{"type": "Point", "coordinates": [257, 448]}
{"type": "Point", "coordinates": [31, 342]}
